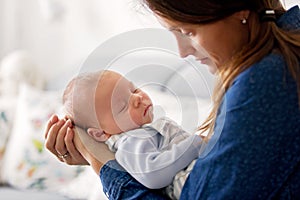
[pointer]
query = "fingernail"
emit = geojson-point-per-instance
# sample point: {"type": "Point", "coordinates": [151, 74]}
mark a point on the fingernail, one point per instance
{"type": "Point", "coordinates": [62, 121]}
{"type": "Point", "coordinates": [52, 118]}
{"type": "Point", "coordinates": [69, 123]}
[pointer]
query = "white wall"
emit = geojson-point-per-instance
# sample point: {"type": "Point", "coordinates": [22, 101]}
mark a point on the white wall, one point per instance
{"type": "Point", "coordinates": [60, 34]}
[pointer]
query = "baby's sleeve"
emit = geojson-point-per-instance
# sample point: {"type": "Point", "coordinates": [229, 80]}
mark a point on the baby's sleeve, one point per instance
{"type": "Point", "coordinates": [153, 167]}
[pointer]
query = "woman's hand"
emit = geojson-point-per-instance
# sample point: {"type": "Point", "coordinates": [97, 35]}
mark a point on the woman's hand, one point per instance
{"type": "Point", "coordinates": [60, 141]}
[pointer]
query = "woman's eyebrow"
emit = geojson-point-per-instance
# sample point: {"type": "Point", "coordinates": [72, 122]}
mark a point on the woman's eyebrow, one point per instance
{"type": "Point", "coordinates": [173, 28]}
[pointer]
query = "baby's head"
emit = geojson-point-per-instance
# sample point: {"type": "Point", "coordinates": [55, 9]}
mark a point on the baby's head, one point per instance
{"type": "Point", "coordinates": [106, 103]}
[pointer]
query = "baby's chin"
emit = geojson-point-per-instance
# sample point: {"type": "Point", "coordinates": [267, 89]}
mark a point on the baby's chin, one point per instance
{"type": "Point", "coordinates": [141, 124]}
{"type": "Point", "coordinates": [150, 120]}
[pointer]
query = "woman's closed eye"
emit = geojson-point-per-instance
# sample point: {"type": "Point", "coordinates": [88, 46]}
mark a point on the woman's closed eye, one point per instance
{"type": "Point", "coordinates": [184, 33]}
{"type": "Point", "coordinates": [187, 34]}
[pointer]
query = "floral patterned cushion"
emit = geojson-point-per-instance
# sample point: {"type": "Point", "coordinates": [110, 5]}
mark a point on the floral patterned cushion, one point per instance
{"type": "Point", "coordinates": [27, 164]}
{"type": "Point", "coordinates": [7, 108]}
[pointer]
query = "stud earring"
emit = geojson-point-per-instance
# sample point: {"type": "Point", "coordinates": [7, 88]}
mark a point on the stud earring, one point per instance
{"type": "Point", "coordinates": [244, 21]}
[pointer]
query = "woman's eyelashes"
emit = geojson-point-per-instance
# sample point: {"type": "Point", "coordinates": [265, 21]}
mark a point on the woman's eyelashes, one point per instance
{"type": "Point", "coordinates": [187, 34]}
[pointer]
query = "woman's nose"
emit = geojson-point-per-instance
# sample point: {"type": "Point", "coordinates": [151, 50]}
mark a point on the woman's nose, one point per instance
{"type": "Point", "coordinates": [184, 46]}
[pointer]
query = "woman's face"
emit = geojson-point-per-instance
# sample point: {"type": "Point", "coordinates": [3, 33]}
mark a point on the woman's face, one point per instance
{"type": "Point", "coordinates": [212, 44]}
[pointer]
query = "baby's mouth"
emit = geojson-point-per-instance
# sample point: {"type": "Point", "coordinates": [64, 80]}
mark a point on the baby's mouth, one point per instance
{"type": "Point", "coordinates": [147, 109]}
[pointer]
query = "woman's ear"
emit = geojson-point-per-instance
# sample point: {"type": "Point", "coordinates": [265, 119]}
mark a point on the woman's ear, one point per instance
{"type": "Point", "coordinates": [243, 14]}
{"type": "Point", "coordinates": [98, 134]}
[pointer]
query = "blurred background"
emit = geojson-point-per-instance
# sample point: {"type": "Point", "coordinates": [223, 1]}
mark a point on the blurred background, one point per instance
{"type": "Point", "coordinates": [41, 41]}
{"type": "Point", "coordinates": [60, 33]}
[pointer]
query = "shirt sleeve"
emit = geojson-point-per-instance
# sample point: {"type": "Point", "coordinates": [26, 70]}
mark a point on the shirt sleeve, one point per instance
{"type": "Point", "coordinates": [153, 166]}
{"type": "Point", "coordinates": [119, 184]}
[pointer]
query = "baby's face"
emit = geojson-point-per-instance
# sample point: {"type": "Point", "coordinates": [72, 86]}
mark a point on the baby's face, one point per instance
{"type": "Point", "coordinates": [120, 105]}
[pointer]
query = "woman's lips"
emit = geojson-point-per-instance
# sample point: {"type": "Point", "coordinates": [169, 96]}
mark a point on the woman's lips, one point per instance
{"type": "Point", "coordinates": [202, 60]}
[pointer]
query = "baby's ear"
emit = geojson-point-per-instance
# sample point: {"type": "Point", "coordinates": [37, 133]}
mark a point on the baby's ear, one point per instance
{"type": "Point", "coordinates": [98, 134]}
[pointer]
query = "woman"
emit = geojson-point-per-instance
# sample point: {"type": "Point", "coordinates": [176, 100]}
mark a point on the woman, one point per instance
{"type": "Point", "coordinates": [253, 46]}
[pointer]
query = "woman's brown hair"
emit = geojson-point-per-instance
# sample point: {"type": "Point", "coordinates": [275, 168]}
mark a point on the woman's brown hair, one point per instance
{"type": "Point", "coordinates": [264, 37]}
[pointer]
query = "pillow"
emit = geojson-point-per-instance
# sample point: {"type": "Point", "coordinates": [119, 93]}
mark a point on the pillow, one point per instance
{"type": "Point", "coordinates": [27, 164]}
{"type": "Point", "coordinates": [7, 108]}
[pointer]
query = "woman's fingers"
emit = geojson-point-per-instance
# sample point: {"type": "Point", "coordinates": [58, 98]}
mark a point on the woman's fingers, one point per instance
{"type": "Point", "coordinates": [53, 119]}
{"type": "Point", "coordinates": [75, 156]}
{"type": "Point", "coordinates": [59, 141]}
{"type": "Point", "coordinates": [60, 145]}
{"type": "Point", "coordinates": [51, 139]}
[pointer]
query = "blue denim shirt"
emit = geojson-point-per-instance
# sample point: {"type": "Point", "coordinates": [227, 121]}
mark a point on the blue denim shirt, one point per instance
{"type": "Point", "coordinates": [118, 184]}
{"type": "Point", "coordinates": [255, 150]}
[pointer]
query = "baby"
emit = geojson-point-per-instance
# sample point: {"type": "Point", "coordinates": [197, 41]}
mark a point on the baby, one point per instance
{"type": "Point", "coordinates": [112, 110]}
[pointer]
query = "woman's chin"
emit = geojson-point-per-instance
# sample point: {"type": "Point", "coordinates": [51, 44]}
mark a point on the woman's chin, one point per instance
{"type": "Point", "coordinates": [212, 69]}
{"type": "Point", "coordinates": [211, 66]}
